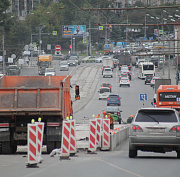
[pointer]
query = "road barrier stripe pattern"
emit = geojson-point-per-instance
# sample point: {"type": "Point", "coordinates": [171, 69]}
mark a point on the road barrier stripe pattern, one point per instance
{"type": "Point", "coordinates": [73, 146]}
{"type": "Point", "coordinates": [40, 133]}
{"type": "Point", "coordinates": [32, 144]}
{"type": "Point", "coordinates": [106, 135]}
{"type": "Point", "coordinates": [98, 135]}
{"type": "Point", "coordinates": [92, 136]}
{"type": "Point", "coordinates": [65, 142]}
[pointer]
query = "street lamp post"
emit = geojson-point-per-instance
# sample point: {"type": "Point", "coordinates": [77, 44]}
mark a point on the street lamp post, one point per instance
{"type": "Point", "coordinates": [40, 41]}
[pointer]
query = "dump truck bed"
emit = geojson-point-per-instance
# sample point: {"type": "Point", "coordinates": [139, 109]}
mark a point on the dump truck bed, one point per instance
{"type": "Point", "coordinates": [35, 94]}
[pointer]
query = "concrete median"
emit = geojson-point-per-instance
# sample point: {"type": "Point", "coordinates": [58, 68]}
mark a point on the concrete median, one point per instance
{"type": "Point", "coordinates": [118, 136]}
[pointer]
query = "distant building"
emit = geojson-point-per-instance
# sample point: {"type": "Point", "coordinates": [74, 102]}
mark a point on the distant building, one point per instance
{"type": "Point", "coordinates": [21, 8]}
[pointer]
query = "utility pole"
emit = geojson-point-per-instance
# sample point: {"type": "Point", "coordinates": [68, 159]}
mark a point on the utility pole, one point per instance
{"type": "Point", "coordinates": [3, 55]}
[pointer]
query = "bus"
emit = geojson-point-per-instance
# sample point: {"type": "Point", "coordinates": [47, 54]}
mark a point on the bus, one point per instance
{"type": "Point", "coordinates": [168, 96]}
{"type": "Point", "coordinates": [146, 68]}
{"type": "Point", "coordinates": [44, 61]}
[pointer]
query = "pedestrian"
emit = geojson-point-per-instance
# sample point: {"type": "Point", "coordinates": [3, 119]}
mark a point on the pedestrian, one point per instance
{"type": "Point", "coordinates": [109, 116]}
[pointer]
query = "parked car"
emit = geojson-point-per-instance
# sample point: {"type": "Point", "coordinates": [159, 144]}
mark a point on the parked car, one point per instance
{"type": "Point", "coordinates": [124, 81]}
{"type": "Point", "coordinates": [99, 60]}
{"type": "Point", "coordinates": [107, 72]}
{"type": "Point", "coordinates": [64, 66]}
{"type": "Point", "coordinates": [107, 85]}
{"type": "Point", "coordinates": [89, 59]}
{"type": "Point", "coordinates": [104, 92]}
{"type": "Point", "coordinates": [116, 112]}
{"type": "Point", "coordinates": [50, 72]}
{"type": "Point", "coordinates": [113, 99]}
{"type": "Point", "coordinates": [152, 83]}
{"type": "Point", "coordinates": [155, 130]}
{"type": "Point", "coordinates": [148, 78]}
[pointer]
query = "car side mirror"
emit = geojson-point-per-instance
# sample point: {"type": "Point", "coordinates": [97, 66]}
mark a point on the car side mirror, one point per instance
{"type": "Point", "coordinates": [151, 103]}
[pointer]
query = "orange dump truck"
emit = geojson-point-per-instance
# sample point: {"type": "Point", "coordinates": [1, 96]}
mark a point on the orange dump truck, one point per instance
{"type": "Point", "coordinates": [23, 98]}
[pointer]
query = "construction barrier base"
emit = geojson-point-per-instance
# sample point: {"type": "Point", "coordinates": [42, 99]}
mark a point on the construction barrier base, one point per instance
{"type": "Point", "coordinates": [91, 152]}
{"type": "Point", "coordinates": [64, 158]}
{"type": "Point", "coordinates": [33, 165]}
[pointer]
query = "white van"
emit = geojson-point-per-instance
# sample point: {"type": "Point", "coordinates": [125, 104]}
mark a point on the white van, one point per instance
{"type": "Point", "coordinates": [104, 93]}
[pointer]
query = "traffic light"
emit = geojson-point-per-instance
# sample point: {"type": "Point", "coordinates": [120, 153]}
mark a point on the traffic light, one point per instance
{"type": "Point", "coordinates": [77, 96]}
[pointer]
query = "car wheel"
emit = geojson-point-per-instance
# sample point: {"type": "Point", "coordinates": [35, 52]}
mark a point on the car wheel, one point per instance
{"type": "Point", "coordinates": [107, 104]}
{"type": "Point", "coordinates": [129, 85]}
{"type": "Point", "coordinates": [119, 120]}
{"type": "Point", "coordinates": [99, 98]}
{"type": "Point", "coordinates": [178, 154]}
{"type": "Point", "coordinates": [119, 85]}
{"type": "Point", "coordinates": [145, 83]}
{"type": "Point", "coordinates": [118, 104]}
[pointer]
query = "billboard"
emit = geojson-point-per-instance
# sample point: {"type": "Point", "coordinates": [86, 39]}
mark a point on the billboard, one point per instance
{"type": "Point", "coordinates": [73, 30]}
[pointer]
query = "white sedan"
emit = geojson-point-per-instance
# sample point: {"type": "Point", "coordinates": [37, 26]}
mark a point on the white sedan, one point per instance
{"type": "Point", "coordinates": [124, 81]}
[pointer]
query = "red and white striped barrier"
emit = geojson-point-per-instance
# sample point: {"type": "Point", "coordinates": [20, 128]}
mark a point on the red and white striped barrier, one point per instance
{"type": "Point", "coordinates": [106, 135]}
{"type": "Point", "coordinates": [40, 133]}
{"type": "Point", "coordinates": [98, 133]}
{"type": "Point", "coordinates": [32, 145]}
{"type": "Point", "coordinates": [92, 135]}
{"type": "Point", "coordinates": [65, 142]}
{"type": "Point", "coordinates": [73, 146]}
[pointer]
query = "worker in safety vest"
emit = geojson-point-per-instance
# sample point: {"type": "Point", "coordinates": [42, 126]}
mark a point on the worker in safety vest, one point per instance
{"type": "Point", "coordinates": [109, 116]}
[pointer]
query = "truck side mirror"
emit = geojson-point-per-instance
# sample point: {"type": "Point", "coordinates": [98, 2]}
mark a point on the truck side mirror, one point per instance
{"type": "Point", "coordinates": [77, 96]}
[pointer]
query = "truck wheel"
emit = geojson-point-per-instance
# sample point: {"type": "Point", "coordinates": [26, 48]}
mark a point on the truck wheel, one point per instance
{"type": "Point", "coordinates": [51, 145]}
{"type": "Point", "coordinates": [132, 153]}
{"type": "Point", "coordinates": [6, 147]}
{"type": "Point", "coordinates": [178, 154]}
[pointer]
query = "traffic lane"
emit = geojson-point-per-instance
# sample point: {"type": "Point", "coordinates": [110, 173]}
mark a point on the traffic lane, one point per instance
{"type": "Point", "coordinates": [102, 164]}
{"type": "Point", "coordinates": [130, 102]}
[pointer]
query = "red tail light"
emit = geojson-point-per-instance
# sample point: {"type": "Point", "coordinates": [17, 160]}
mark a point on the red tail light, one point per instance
{"type": "Point", "coordinates": [118, 98]}
{"type": "Point", "coordinates": [108, 98]}
{"type": "Point", "coordinates": [145, 79]}
{"type": "Point", "coordinates": [118, 113]}
{"type": "Point", "coordinates": [175, 129]}
{"type": "Point", "coordinates": [137, 128]}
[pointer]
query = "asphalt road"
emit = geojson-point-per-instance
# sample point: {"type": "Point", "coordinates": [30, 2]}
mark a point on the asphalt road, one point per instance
{"type": "Point", "coordinates": [104, 163]}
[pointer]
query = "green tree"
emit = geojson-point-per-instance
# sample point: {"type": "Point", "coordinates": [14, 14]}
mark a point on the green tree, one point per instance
{"type": "Point", "coordinates": [81, 46]}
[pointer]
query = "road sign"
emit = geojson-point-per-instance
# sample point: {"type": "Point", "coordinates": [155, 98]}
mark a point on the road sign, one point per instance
{"type": "Point", "coordinates": [58, 48]}
{"type": "Point", "coordinates": [160, 31]}
{"type": "Point", "coordinates": [84, 41]}
{"type": "Point", "coordinates": [143, 97]}
{"type": "Point", "coordinates": [100, 27]}
{"type": "Point", "coordinates": [54, 33]}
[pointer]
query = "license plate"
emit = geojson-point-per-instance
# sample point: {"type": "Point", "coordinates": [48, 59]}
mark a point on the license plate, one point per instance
{"type": "Point", "coordinates": [113, 100]}
{"type": "Point", "coordinates": [156, 130]}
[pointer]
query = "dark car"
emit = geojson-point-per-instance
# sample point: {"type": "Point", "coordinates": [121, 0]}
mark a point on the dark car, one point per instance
{"type": "Point", "coordinates": [107, 85]}
{"type": "Point", "coordinates": [113, 99]}
{"type": "Point", "coordinates": [115, 111]}
{"type": "Point", "coordinates": [148, 78]}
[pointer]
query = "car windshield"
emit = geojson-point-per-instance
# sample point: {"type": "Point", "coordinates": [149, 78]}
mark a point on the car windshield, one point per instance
{"type": "Point", "coordinates": [113, 96]}
{"type": "Point", "coordinates": [124, 78]}
{"type": "Point", "coordinates": [104, 90]}
{"type": "Point", "coordinates": [64, 63]}
{"type": "Point", "coordinates": [156, 116]}
{"type": "Point", "coordinates": [106, 85]}
{"type": "Point", "coordinates": [107, 69]}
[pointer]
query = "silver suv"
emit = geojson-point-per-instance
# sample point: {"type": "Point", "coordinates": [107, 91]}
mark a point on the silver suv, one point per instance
{"type": "Point", "coordinates": [155, 130]}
